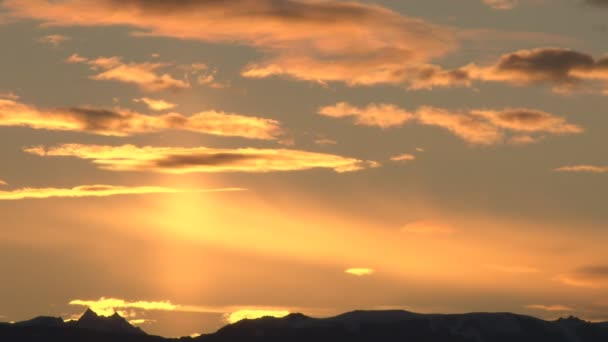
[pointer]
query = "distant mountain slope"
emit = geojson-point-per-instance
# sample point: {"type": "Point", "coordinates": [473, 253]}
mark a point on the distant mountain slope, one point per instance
{"type": "Point", "coordinates": [88, 328]}
{"type": "Point", "coordinates": [357, 326]}
{"type": "Point", "coordinates": [389, 326]}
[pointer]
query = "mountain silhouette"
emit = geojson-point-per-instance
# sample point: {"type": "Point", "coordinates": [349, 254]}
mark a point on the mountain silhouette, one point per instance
{"type": "Point", "coordinates": [114, 324]}
{"type": "Point", "coordinates": [356, 326]}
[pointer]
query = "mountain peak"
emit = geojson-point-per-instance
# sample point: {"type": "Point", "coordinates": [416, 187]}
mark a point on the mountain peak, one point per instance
{"type": "Point", "coordinates": [113, 324]}
{"type": "Point", "coordinates": [88, 315]}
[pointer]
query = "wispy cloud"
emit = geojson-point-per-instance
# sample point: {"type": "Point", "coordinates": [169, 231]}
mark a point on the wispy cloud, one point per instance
{"type": "Point", "coordinates": [501, 4]}
{"type": "Point", "coordinates": [513, 269]}
{"type": "Point", "coordinates": [178, 160]}
{"type": "Point", "coordinates": [403, 157]}
{"type": "Point", "coordinates": [468, 127]}
{"type": "Point", "coordinates": [3, 182]}
{"type": "Point", "coordinates": [123, 122]}
{"type": "Point", "coordinates": [379, 115]}
{"type": "Point", "coordinates": [557, 307]}
{"type": "Point", "coordinates": [9, 95]}
{"type": "Point", "coordinates": [146, 75]}
{"type": "Point", "coordinates": [365, 44]}
{"type": "Point", "coordinates": [157, 105]}
{"type": "Point", "coordinates": [480, 126]}
{"type": "Point", "coordinates": [360, 272]}
{"type": "Point", "coordinates": [54, 39]}
{"type": "Point", "coordinates": [96, 191]}
{"type": "Point", "coordinates": [591, 276]}
{"type": "Point", "coordinates": [583, 168]}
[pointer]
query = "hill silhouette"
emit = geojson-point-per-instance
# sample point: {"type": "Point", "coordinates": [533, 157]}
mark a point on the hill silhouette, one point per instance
{"type": "Point", "coordinates": [356, 326]}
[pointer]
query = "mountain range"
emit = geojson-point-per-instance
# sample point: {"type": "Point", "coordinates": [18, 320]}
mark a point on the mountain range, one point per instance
{"type": "Point", "coordinates": [356, 326]}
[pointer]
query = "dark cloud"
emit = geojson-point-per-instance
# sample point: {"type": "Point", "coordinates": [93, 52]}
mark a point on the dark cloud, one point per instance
{"type": "Point", "coordinates": [211, 159]}
{"type": "Point", "coordinates": [599, 3]}
{"type": "Point", "coordinates": [546, 65]}
{"type": "Point", "coordinates": [95, 119]}
{"type": "Point", "coordinates": [594, 271]}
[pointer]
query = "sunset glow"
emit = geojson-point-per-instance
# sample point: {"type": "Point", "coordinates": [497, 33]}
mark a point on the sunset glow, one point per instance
{"type": "Point", "coordinates": [192, 164]}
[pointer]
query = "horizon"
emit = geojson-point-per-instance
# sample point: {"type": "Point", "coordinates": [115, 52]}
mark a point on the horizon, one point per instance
{"type": "Point", "coordinates": [291, 314]}
{"type": "Point", "coordinates": [188, 164]}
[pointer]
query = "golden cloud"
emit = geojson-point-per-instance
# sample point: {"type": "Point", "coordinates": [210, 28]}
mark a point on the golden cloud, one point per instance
{"type": "Point", "coordinates": [3, 182]}
{"type": "Point", "coordinates": [156, 105]}
{"type": "Point", "coordinates": [470, 128]}
{"type": "Point", "coordinates": [481, 127]}
{"type": "Point", "coordinates": [107, 306]}
{"type": "Point", "coordinates": [254, 314]}
{"type": "Point", "coordinates": [557, 307]}
{"type": "Point", "coordinates": [403, 157]}
{"type": "Point", "coordinates": [145, 75]}
{"type": "Point", "coordinates": [379, 115]}
{"type": "Point", "coordinates": [583, 168]}
{"type": "Point", "coordinates": [364, 44]}
{"type": "Point", "coordinates": [96, 191]}
{"type": "Point", "coordinates": [123, 122]}
{"type": "Point", "coordinates": [129, 309]}
{"type": "Point", "coordinates": [359, 272]}
{"type": "Point", "coordinates": [176, 160]}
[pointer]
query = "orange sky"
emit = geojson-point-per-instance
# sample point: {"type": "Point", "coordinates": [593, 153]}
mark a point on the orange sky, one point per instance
{"type": "Point", "coordinates": [190, 164]}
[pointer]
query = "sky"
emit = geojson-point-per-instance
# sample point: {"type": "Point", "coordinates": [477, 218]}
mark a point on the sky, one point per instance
{"type": "Point", "coordinates": [192, 163]}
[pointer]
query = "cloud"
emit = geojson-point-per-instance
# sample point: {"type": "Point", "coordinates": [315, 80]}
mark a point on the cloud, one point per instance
{"type": "Point", "coordinates": [583, 168]}
{"type": "Point", "coordinates": [131, 309]}
{"type": "Point", "coordinates": [107, 306]}
{"type": "Point", "coordinates": [513, 269]}
{"type": "Point", "coordinates": [528, 120]}
{"type": "Point", "coordinates": [470, 128]}
{"type": "Point", "coordinates": [157, 105]}
{"type": "Point", "coordinates": [360, 272]}
{"type": "Point", "coordinates": [403, 157]}
{"type": "Point", "coordinates": [378, 115]}
{"type": "Point", "coordinates": [428, 228]}
{"type": "Point", "coordinates": [9, 95]}
{"type": "Point", "coordinates": [479, 127]}
{"type": "Point", "coordinates": [563, 69]}
{"type": "Point", "coordinates": [96, 191]}
{"type": "Point", "coordinates": [3, 182]}
{"type": "Point", "coordinates": [254, 314]}
{"type": "Point", "coordinates": [432, 76]}
{"type": "Point", "coordinates": [599, 3]}
{"type": "Point", "coordinates": [145, 75]}
{"type": "Point", "coordinates": [123, 122]}
{"type": "Point", "coordinates": [321, 141]}
{"type": "Point", "coordinates": [177, 160]}
{"type": "Point", "coordinates": [75, 58]}
{"type": "Point", "coordinates": [54, 39]}
{"type": "Point", "coordinates": [320, 41]}
{"type": "Point", "coordinates": [557, 307]}
{"type": "Point", "coordinates": [501, 4]}
{"type": "Point", "coordinates": [592, 276]}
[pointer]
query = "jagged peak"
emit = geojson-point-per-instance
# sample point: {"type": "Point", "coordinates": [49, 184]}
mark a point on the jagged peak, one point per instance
{"type": "Point", "coordinates": [88, 314]}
